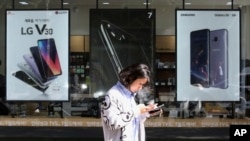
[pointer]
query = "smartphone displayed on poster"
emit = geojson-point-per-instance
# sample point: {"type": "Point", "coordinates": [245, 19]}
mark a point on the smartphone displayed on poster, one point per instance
{"type": "Point", "coordinates": [199, 57]}
{"type": "Point", "coordinates": [25, 68]}
{"type": "Point", "coordinates": [122, 47]}
{"type": "Point", "coordinates": [219, 58]}
{"type": "Point", "coordinates": [29, 59]}
{"type": "Point", "coordinates": [41, 65]}
{"type": "Point", "coordinates": [49, 56]}
{"type": "Point", "coordinates": [26, 79]}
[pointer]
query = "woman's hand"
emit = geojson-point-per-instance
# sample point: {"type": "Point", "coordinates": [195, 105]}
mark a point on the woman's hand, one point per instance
{"type": "Point", "coordinates": [147, 108]}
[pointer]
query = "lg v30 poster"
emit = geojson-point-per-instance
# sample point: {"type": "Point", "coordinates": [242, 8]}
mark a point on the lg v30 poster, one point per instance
{"type": "Point", "coordinates": [37, 55]}
{"type": "Point", "coordinates": [208, 54]}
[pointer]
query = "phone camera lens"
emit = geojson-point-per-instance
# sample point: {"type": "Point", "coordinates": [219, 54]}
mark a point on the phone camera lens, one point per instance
{"type": "Point", "coordinates": [215, 39]}
{"type": "Point", "coordinates": [108, 25]}
{"type": "Point", "coordinates": [123, 37]}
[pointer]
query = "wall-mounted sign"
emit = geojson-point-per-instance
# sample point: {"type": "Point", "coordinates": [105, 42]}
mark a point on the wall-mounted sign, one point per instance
{"type": "Point", "coordinates": [208, 55]}
{"type": "Point", "coordinates": [37, 49]}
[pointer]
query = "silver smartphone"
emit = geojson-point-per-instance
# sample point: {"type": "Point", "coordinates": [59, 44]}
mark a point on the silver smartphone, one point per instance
{"type": "Point", "coordinates": [34, 69]}
{"type": "Point", "coordinates": [219, 58]}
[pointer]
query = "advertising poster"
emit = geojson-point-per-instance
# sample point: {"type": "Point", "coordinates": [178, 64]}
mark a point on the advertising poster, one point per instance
{"type": "Point", "coordinates": [37, 49]}
{"type": "Point", "coordinates": [208, 55]}
{"type": "Point", "coordinates": [118, 38]}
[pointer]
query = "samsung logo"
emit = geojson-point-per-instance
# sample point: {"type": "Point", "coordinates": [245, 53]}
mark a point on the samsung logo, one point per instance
{"type": "Point", "coordinates": [187, 14]}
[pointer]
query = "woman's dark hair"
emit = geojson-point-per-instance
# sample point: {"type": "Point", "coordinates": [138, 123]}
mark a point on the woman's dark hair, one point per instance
{"type": "Point", "coordinates": [129, 74]}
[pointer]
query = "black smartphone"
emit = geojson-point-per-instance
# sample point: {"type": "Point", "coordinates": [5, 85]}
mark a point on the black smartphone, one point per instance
{"type": "Point", "coordinates": [41, 65]}
{"type": "Point", "coordinates": [26, 68]}
{"type": "Point", "coordinates": [122, 47]}
{"type": "Point", "coordinates": [157, 109]}
{"type": "Point", "coordinates": [219, 58]}
{"type": "Point", "coordinates": [26, 79]}
{"type": "Point", "coordinates": [199, 57]}
{"type": "Point", "coordinates": [49, 56]}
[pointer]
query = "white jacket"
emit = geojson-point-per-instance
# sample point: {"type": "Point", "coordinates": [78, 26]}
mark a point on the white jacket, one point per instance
{"type": "Point", "coordinates": [121, 119]}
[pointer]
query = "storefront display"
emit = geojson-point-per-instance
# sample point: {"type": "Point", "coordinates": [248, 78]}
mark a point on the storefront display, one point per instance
{"type": "Point", "coordinates": [116, 41]}
{"type": "Point", "coordinates": [37, 55]}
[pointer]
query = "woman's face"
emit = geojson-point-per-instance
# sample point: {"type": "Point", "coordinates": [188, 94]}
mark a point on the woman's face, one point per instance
{"type": "Point", "coordinates": [137, 84]}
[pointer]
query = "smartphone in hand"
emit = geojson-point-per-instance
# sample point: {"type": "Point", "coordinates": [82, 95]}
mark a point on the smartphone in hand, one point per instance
{"type": "Point", "coordinates": [157, 109]}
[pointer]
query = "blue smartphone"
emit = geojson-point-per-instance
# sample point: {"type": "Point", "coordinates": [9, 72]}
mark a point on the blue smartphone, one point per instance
{"type": "Point", "coordinates": [199, 57]}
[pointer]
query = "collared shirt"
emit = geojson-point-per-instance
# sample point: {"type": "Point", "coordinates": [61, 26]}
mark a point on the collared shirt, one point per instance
{"type": "Point", "coordinates": [120, 115]}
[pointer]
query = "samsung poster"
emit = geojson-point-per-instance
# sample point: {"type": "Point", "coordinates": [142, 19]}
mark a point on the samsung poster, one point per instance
{"type": "Point", "coordinates": [37, 46]}
{"type": "Point", "coordinates": [208, 55]}
{"type": "Point", "coordinates": [118, 38]}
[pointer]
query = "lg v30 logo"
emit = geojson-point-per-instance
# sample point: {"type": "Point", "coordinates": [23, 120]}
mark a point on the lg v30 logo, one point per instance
{"type": "Point", "coordinates": [41, 30]}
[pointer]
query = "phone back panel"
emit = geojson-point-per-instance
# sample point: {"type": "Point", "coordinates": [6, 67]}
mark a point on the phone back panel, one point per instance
{"type": "Point", "coordinates": [219, 58]}
{"type": "Point", "coordinates": [123, 47]}
{"type": "Point", "coordinates": [29, 59]}
{"type": "Point", "coordinates": [199, 57]}
{"type": "Point", "coordinates": [32, 64]}
{"type": "Point", "coordinates": [26, 79]}
{"type": "Point", "coordinates": [25, 68]}
{"type": "Point", "coordinates": [39, 62]}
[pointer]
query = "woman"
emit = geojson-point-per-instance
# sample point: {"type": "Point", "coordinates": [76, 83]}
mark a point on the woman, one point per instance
{"type": "Point", "coordinates": [122, 118]}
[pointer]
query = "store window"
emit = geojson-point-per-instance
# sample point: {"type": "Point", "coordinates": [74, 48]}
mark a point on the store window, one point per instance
{"type": "Point", "coordinates": [162, 57]}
